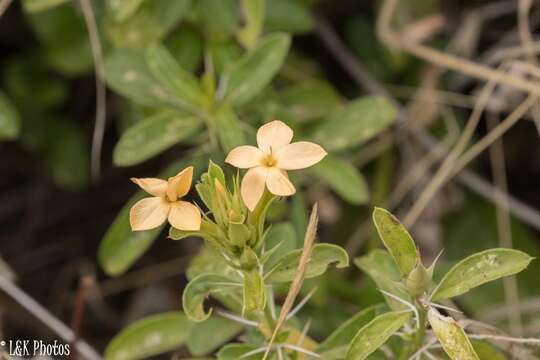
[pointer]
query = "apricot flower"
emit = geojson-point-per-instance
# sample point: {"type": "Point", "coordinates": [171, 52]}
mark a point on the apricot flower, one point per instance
{"type": "Point", "coordinates": [268, 163]}
{"type": "Point", "coordinates": [152, 212]}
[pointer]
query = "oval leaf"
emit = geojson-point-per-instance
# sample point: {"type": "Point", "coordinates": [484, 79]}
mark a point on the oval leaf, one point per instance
{"type": "Point", "coordinates": [229, 131]}
{"type": "Point", "coordinates": [396, 239]}
{"type": "Point", "coordinates": [335, 346]}
{"type": "Point", "coordinates": [10, 122]}
{"type": "Point", "coordinates": [356, 123]}
{"type": "Point", "coordinates": [451, 336]}
{"type": "Point", "coordinates": [322, 256]}
{"type": "Point", "coordinates": [237, 351]}
{"type": "Point", "coordinates": [479, 269]}
{"type": "Point", "coordinates": [343, 178]}
{"type": "Point", "coordinates": [375, 333]}
{"type": "Point", "coordinates": [199, 288]}
{"type": "Point", "coordinates": [150, 336]}
{"type": "Point", "coordinates": [222, 330]}
{"type": "Point", "coordinates": [380, 266]}
{"type": "Point", "coordinates": [151, 136]}
{"type": "Point", "coordinates": [254, 291]}
{"type": "Point", "coordinates": [170, 75]}
{"type": "Point", "coordinates": [257, 68]}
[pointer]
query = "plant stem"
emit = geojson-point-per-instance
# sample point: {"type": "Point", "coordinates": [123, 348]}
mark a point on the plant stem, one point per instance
{"type": "Point", "coordinates": [418, 338]}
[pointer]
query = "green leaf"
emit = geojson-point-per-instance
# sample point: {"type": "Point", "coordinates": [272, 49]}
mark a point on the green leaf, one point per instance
{"type": "Point", "coordinates": [380, 266]}
{"type": "Point", "coordinates": [236, 351]}
{"type": "Point", "coordinates": [220, 17]}
{"type": "Point", "coordinates": [150, 336]}
{"type": "Point", "coordinates": [68, 155]}
{"type": "Point", "coordinates": [321, 257]}
{"type": "Point", "coordinates": [149, 23]}
{"type": "Point", "coordinates": [120, 10]}
{"type": "Point", "coordinates": [452, 337]}
{"type": "Point", "coordinates": [309, 100]}
{"type": "Point", "coordinates": [281, 239]}
{"type": "Point", "coordinates": [63, 34]}
{"type": "Point", "coordinates": [199, 289]}
{"type": "Point", "coordinates": [127, 73]}
{"type": "Point", "coordinates": [375, 333]}
{"type": "Point", "coordinates": [478, 269]}
{"type": "Point", "coordinates": [41, 5]}
{"type": "Point", "coordinates": [228, 129]}
{"type": "Point", "coordinates": [250, 75]}
{"type": "Point", "coordinates": [396, 239]}
{"type": "Point", "coordinates": [356, 123]}
{"type": "Point", "coordinates": [186, 46]}
{"type": "Point", "coordinates": [253, 11]}
{"type": "Point", "coordinates": [288, 16]}
{"type": "Point", "coordinates": [335, 345]}
{"type": "Point", "coordinates": [151, 136]}
{"type": "Point", "coordinates": [254, 291]}
{"type": "Point", "coordinates": [487, 351]}
{"type": "Point", "coordinates": [342, 177]}
{"type": "Point", "coordinates": [172, 77]}
{"type": "Point", "coordinates": [222, 330]}
{"type": "Point", "coordinates": [10, 121]}
{"type": "Point", "coordinates": [121, 246]}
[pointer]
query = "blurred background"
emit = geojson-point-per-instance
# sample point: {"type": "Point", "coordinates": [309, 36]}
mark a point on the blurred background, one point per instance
{"type": "Point", "coordinates": [67, 151]}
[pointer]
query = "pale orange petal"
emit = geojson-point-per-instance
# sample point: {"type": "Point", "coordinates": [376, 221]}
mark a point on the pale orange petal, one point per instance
{"type": "Point", "coordinates": [273, 135]}
{"type": "Point", "coordinates": [252, 187]}
{"type": "Point", "coordinates": [180, 184]}
{"type": "Point", "coordinates": [278, 183]}
{"type": "Point", "coordinates": [299, 155]}
{"type": "Point", "coordinates": [245, 157]}
{"type": "Point", "coordinates": [185, 216]}
{"type": "Point", "coordinates": [156, 187]}
{"type": "Point", "coordinates": [148, 213]}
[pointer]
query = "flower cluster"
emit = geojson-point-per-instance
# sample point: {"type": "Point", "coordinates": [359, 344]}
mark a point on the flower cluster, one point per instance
{"type": "Point", "coordinates": [268, 164]}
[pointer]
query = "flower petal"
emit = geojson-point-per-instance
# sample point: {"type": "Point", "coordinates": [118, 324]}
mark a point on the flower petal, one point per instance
{"type": "Point", "coordinates": [278, 183]}
{"type": "Point", "coordinates": [252, 187]}
{"type": "Point", "coordinates": [180, 184]}
{"type": "Point", "coordinates": [148, 213]}
{"type": "Point", "coordinates": [299, 155]}
{"type": "Point", "coordinates": [273, 135]}
{"type": "Point", "coordinates": [156, 187]}
{"type": "Point", "coordinates": [185, 216]}
{"type": "Point", "coordinates": [245, 157]}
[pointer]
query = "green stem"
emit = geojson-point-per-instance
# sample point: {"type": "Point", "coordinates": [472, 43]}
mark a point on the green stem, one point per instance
{"type": "Point", "coordinates": [418, 339]}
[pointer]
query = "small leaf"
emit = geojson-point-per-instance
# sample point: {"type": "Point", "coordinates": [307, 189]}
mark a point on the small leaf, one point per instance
{"type": "Point", "coordinates": [479, 269]}
{"type": "Point", "coordinates": [237, 351]}
{"type": "Point", "coordinates": [127, 73]}
{"type": "Point", "coordinates": [309, 100]}
{"type": "Point", "coordinates": [288, 16]}
{"type": "Point", "coordinates": [254, 291]}
{"type": "Point", "coordinates": [321, 257]}
{"type": "Point", "coordinates": [228, 129]}
{"type": "Point", "coordinates": [199, 288]}
{"type": "Point", "coordinates": [172, 77]}
{"type": "Point", "coordinates": [282, 238]}
{"type": "Point", "coordinates": [10, 122]}
{"type": "Point", "coordinates": [375, 333]}
{"type": "Point", "coordinates": [151, 136]}
{"type": "Point", "coordinates": [396, 239]}
{"type": "Point", "coordinates": [253, 11]}
{"type": "Point", "coordinates": [186, 46]}
{"type": "Point", "coordinates": [336, 344]}
{"type": "Point", "coordinates": [451, 336]}
{"type": "Point", "coordinates": [150, 336]}
{"type": "Point", "coordinates": [255, 70]}
{"type": "Point", "coordinates": [356, 123]}
{"type": "Point", "coordinates": [120, 10]}
{"type": "Point", "coordinates": [32, 6]}
{"type": "Point", "coordinates": [221, 17]}
{"type": "Point", "coordinates": [222, 330]}
{"type": "Point", "coordinates": [380, 266]}
{"type": "Point", "coordinates": [343, 178]}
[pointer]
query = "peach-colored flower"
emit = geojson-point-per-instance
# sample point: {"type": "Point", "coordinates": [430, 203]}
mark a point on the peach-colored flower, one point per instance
{"type": "Point", "coordinates": [268, 162]}
{"type": "Point", "coordinates": [152, 212]}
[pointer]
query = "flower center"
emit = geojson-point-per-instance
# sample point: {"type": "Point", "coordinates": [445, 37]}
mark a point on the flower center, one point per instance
{"type": "Point", "coordinates": [269, 161]}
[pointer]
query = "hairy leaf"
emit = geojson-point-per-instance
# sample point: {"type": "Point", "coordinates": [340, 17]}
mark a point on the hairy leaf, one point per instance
{"type": "Point", "coordinates": [451, 336]}
{"type": "Point", "coordinates": [479, 269]}
{"type": "Point", "coordinates": [222, 330]}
